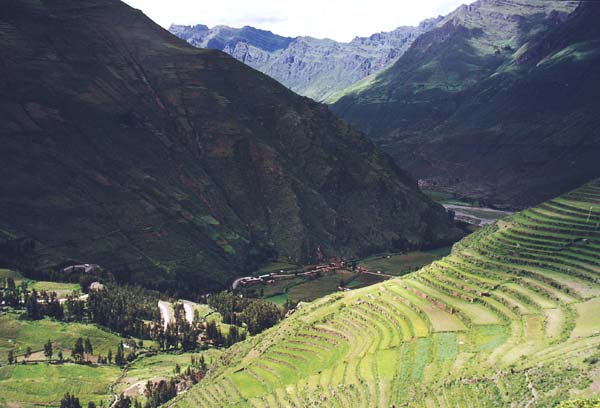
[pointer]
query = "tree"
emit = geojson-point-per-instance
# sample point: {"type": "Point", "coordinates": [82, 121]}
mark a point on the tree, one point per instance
{"type": "Point", "coordinates": [78, 350]}
{"type": "Point", "coordinates": [70, 401]}
{"type": "Point", "coordinates": [88, 346]}
{"type": "Point", "coordinates": [48, 350]}
{"type": "Point", "coordinates": [91, 404]}
{"type": "Point", "coordinates": [120, 356]}
{"type": "Point", "coordinates": [109, 356]}
{"type": "Point", "coordinates": [11, 357]}
{"type": "Point", "coordinates": [33, 307]}
{"type": "Point", "coordinates": [123, 402]}
{"type": "Point", "coordinates": [28, 352]}
{"type": "Point", "coordinates": [60, 356]}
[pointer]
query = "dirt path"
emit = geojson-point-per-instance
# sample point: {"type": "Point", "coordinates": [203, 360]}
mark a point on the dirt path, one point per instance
{"type": "Point", "coordinates": [188, 307]}
{"type": "Point", "coordinates": [236, 282]}
{"type": "Point", "coordinates": [166, 312]}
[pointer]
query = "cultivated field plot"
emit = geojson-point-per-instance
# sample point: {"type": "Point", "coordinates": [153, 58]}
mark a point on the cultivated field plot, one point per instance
{"type": "Point", "coordinates": [62, 289]}
{"type": "Point", "coordinates": [304, 289]}
{"type": "Point", "coordinates": [401, 264]}
{"type": "Point", "coordinates": [509, 318]}
{"type": "Point", "coordinates": [17, 335]}
{"type": "Point", "coordinates": [45, 384]}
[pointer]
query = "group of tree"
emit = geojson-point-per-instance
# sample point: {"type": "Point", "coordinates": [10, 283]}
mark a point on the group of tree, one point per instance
{"type": "Point", "coordinates": [256, 314]}
{"type": "Point", "coordinates": [80, 349]}
{"type": "Point", "coordinates": [36, 305]}
{"type": "Point", "coordinates": [216, 337]}
{"type": "Point", "coordinates": [179, 333]}
{"type": "Point", "coordinates": [125, 309]}
{"type": "Point", "coordinates": [158, 393]}
{"type": "Point", "coordinates": [71, 401]}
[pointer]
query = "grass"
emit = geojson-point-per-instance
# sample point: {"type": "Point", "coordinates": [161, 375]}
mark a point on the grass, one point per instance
{"type": "Point", "coordinates": [588, 319]}
{"type": "Point", "coordinates": [306, 289]}
{"type": "Point", "coordinates": [17, 335]}
{"type": "Point", "coordinates": [401, 264]}
{"type": "Point", "coordinates": [61, 289]}
{"type": "Point", "coordinates": [155, 367]}
{"type": "Point", "coordinates": [7, 273]}
{"type": "Point", "coordinates": [277, 267]}
{"type": "Point", "coordinates": [512, 310]}
{"type": "Point", "coordinates": [45, 385]}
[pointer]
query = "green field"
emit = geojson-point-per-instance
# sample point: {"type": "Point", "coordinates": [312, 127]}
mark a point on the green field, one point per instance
{"type": "Point", "coordinates": [17, 335]}
{"type": "Point", "coordinates": [303, 289]}
{"type": "Point", "coordinates": [401, 264]}
{"type": "Point", "coordinates": [61, 289]}
{"type": "Point", "coordinates": [44, 385]}
{"type": "Point", "coordinates": [7, 273]}
{"type": "Point", "coordinates": [509, 318]}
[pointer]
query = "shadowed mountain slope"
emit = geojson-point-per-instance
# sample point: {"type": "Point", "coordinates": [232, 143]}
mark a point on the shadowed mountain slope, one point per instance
{"type": "Point", "coordinates": [177, 167]}
{"type": "Point", "coordinates": [497, 103]}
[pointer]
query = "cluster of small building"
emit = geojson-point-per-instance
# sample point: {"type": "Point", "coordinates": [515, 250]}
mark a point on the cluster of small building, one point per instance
{"type": "Point", "coordinates": [251, 280]}
{"type": "Point", "coordinates": [323, 268]}
{"type": "Point", "coordinates": [84, 268]}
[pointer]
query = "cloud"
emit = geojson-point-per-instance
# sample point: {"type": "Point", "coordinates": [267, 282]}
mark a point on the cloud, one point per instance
{"type": "Point", "coordinates": [341, 20]}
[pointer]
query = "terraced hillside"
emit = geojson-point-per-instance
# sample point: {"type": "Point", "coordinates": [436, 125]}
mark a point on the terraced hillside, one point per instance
{"type": "Point", "coordinates": [510, 318]}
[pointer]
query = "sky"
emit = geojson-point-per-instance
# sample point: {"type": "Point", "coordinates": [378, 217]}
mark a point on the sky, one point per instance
{"type": "Point", "coordinates": [340, 20]}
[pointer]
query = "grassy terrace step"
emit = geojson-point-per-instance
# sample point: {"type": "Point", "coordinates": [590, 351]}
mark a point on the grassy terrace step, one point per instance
{"type": "Point", "coordinates": [549, 217]}
{"type": "Point", "coordinates": [580, 213]}
{"type": "Point", "coordinates": [516, 264]}
{"type": "Point", "coordinates": [480, 327]}
{"type": "Point", "coordinates": [532, 223]}
{"type": "Point", "coordinates": [581, 286]}
{"type": "Point", "coordinates": [492, 251]}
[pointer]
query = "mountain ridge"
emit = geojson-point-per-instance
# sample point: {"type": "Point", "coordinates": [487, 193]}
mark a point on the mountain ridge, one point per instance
{"type": "Point", "coordinates": [464, 112]}
{"type": "Point", "coordinates": [309, 66]}
{"type": "Point", "coordinates": [124, 146]}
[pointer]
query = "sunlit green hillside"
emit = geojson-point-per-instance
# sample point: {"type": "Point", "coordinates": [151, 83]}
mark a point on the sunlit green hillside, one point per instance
{"type": "Point", "coordinates": [510, 318]}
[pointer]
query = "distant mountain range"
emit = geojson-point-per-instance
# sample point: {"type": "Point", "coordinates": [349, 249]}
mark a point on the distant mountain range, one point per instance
{"type": "Point", "coordinates": [498, 102]}
{"type": "Point", "coordinates": [176, 167]}
{"type": "Point", "coordinates": [317, 68]}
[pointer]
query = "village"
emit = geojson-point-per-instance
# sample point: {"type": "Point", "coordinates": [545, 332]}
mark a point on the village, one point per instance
{"type": "Point", "coordinates": [311, 271]}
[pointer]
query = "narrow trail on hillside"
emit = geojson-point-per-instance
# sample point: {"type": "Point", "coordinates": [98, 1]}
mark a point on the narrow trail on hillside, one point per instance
{"type": "Point", "coordinates": [188, 307]}
{"type": "Point", "coordinates": [166, 312]}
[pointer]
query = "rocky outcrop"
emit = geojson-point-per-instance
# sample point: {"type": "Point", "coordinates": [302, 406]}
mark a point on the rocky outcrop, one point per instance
{"type": "Point", "coordinates": [317, 68]}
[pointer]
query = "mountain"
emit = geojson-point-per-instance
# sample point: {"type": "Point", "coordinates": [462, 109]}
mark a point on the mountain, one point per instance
{"type": "Point", "coordinates": [508, 319]}
{"type": "Point", "coordinates": [176, 167]}
{"type": "Point", "coordinates": [312, 67]}
{"type": "Point", "coordinates": [496, 103]}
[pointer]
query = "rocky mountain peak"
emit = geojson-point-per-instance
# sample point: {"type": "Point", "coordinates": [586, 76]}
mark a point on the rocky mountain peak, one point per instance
{"type": "Point", "coordinates": [312, 67]}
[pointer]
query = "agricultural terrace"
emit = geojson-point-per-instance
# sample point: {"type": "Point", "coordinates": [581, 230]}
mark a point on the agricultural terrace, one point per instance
{"type": "Point", "coordinates": [509, 318]}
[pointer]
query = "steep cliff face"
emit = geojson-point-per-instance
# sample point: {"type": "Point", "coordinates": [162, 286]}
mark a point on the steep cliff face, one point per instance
{"type": "Point", "coordinates": [489, 105]}
{"type": "Point", "coordinates": [177, 167]}
{"type": "Point", "coordinates": [317, 68]}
